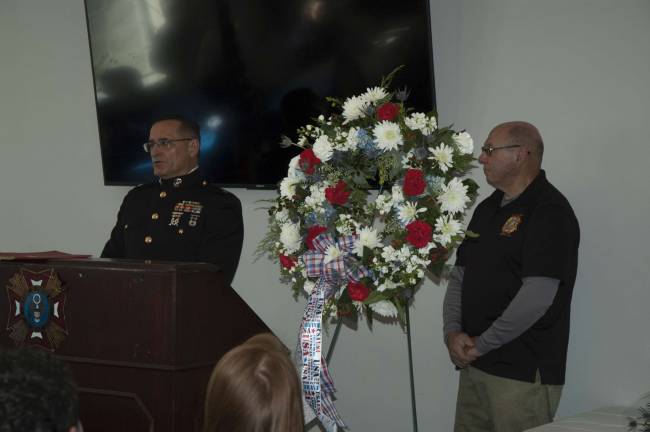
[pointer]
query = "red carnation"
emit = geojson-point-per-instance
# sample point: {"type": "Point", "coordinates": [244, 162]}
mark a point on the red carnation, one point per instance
{"type": "Point", "coordinates": [314, 232]}
{"type": "Point", "coordinates": [419, 233]}
{"type": "Point", "coordinates": [414, 183]}
{"type": "Point", "coordinates": [308, 161]}
{"type": "Point", "coordinates": [338, 194]}
{"type": "Point", "coordinates": [358, 291]}
{"type": "Point", "coordinates": [287, 261]}
{"type": "Point", "coordinates": [387, 111]}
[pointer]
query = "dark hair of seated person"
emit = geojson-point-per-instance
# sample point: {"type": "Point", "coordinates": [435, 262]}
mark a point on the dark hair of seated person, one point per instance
{"type": "Point", "coordinates": [254, 388]}
{"type": "Point", "coordinates": [37, 393]}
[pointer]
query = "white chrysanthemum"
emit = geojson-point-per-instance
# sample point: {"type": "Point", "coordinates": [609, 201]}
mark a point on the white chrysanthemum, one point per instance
{"type": "Point", "coordinates": [384, 308]}
{"type": "Point", "coordinates": [464, 142]}
{"type": "Point", "coordinates": [316, 198]}
{"type": "Point", "coordinates": [388, 136]}
{"type": "Point", "coordinates": [369, 238]}
{"type": "Point", "coordinates": [384, 203]}
{"type": "Point", "coordinates": [446, 228]}
{"type": "Point", "coordinates": [453, 198]}
{"type": "Point", "coordinates": [408, 212]}
{"type": "Point", "coordinates": [398, 195]}
{"type": "Point", "coordinates": [290, 237]}
{"type": "Point", "coordinates": [323, 148]}
{"type": "Point", "coordinates": [443, 155]}
{"type": "Point", "coordinates": [294, 170]}
{"type": "Point", "coordinates": [332, 253]}
{"type": "Point", "coordinates": [282, 216]}
{"type": "Point", "coordinates": [374, 94]}
{"type": "Point", "coordinates": [288, 187]}
{"type": "Point", "coordinates": [308, 287]}
{"type": "Point", "coordinates": [354, 108]}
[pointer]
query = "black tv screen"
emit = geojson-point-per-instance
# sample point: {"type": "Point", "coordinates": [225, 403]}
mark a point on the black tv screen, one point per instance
{"type": "Point", "coordinates": [248, 71]}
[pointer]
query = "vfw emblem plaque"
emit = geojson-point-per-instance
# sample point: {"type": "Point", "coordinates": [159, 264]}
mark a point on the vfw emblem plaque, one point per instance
{"type": "Point", "coordinates": [36, 309]}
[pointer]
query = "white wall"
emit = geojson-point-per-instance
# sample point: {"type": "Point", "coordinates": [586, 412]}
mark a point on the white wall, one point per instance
{"type": "Point", "coordinates": [576, 68]}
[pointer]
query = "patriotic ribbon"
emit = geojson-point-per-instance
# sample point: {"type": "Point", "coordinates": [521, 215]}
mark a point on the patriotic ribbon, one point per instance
{"type": "Point", "coordinates": [332, 263]}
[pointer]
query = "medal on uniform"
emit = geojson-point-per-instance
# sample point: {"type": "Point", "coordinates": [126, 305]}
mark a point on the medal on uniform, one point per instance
{"type": "Point", "coordinates": [193, 208]}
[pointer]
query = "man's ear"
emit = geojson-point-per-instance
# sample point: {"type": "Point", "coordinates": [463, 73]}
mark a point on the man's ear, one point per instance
{"type": "Point", "coordinates": [194, 147]}
{"type": "Point", "coordinates": [522, 152]}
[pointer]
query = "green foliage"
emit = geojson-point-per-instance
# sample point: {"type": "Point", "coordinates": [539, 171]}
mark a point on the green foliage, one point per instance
{"type": "Point", "coordinates": [642, 423]}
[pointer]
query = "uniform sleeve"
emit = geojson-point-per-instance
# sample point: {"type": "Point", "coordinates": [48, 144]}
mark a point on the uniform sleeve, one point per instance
{"type": "Point", "coordinates": [451, 309]}
{"type": "Point", "coordinates": [114, 247]}
{"type": "Point", "coordinates": [551, 243]}
{"type": "Point", "coordinates": [222, 243]}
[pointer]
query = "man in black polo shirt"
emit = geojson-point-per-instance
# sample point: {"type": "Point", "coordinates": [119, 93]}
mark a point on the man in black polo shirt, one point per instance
{"type": "Point", "coordinates": [507, 307]}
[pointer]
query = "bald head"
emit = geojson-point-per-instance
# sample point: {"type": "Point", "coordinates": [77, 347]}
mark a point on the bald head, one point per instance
{"type": "Point", "coordinates": [526, 135]}
{"type": "Point", "coordinates": [512, 156]}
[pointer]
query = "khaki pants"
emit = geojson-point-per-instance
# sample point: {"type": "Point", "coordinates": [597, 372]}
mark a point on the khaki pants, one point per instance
{"type": "Point", "coordinates": [488, 403]}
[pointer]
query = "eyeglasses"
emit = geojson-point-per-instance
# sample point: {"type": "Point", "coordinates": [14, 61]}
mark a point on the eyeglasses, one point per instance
{"type": "Point", "coordinates": [489, 149]}
{"type": "Point", "coordinates": [163, 143]}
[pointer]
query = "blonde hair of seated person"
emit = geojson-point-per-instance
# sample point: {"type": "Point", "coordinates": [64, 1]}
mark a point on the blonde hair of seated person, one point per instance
{"type": "Point", "coordinates": [254, 388]}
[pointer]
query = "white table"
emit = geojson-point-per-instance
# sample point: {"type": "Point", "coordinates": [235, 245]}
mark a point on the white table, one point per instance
{"type": "Point", "coordinates": [609, 419]}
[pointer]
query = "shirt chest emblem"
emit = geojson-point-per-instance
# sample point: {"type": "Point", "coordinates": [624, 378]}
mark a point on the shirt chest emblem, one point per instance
{"type": "Point", "coordinates": [511, 225]}
{"type": "Point", "coordinates": [193, 208]}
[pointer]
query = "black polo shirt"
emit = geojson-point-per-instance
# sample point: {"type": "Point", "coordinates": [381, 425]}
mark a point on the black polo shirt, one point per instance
{"type": "Point", "coordinates": [536, 234]}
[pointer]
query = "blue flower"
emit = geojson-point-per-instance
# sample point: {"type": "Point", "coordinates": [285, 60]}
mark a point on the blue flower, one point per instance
{"type": "Point", "coordinates": [321, 218]}
{"type": "Point", "coordinates": [330, 213]}
{"type": "Point", "coordinates": [420, 153]}
{"type": "Point", "coordinates": [311, 219]}
{"type": "Point", "coordinates": [435, 183]}
{"type": "Point", "coordinates": [367, 144]}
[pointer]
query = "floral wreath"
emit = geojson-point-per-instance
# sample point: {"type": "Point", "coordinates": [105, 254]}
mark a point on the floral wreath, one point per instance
{"type": "Point", "coordinates": [388, 238]}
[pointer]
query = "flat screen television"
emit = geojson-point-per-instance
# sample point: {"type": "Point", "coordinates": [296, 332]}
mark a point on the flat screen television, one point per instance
{"type": "Point", "coordinates": [248, 71]}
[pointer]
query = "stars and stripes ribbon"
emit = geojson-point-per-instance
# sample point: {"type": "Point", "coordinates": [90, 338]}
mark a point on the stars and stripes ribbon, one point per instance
{"type": "Point", "coordinates": [332, 263]}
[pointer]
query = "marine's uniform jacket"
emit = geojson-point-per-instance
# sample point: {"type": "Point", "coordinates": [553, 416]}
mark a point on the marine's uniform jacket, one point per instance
{"type": "Point", "coordinates": [179, 219]}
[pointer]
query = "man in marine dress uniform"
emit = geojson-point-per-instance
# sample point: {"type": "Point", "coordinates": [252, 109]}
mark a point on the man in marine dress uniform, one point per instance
{"type": "Point", "coordinates": [180, 217]}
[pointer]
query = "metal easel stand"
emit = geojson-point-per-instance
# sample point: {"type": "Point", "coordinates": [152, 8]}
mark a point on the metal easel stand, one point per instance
{"type": "Point", "coordinates": [335, 336]}
{"type": "Point", "coordinates": [414, 411]}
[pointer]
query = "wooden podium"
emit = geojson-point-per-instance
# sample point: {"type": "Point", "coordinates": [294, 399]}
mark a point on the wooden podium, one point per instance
{"type": "Point", "coordinates": [142, 338]}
